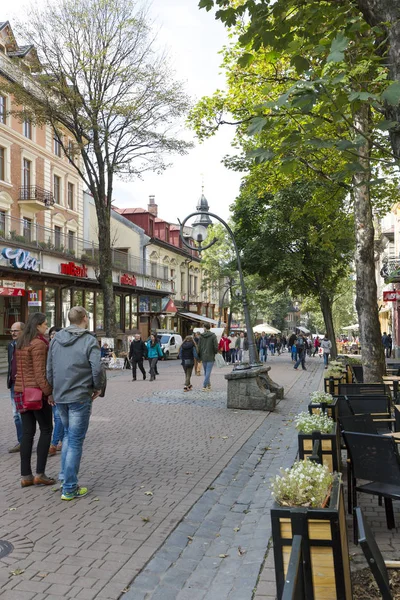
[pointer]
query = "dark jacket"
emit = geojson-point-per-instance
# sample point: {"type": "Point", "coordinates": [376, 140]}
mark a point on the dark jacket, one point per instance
{"type": "Point", "coordinates": [245, 343]}
{"type": "Point", "coordinates": [208, 346]}
{"type": "Point", "coordinates": [10, 351]}
{"type": "Point", "coordinates": [74, 367]}
{"type": "Point", "coordinates": [138, 350]}
{"type": "Point", "coordinates": [188, 352]}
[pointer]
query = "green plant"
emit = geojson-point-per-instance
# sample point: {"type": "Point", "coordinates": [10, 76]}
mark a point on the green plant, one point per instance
{"type": "Point", "coordinates": [317, 421]}
{"type": "Point", "coordinates": [305, 484]}
{"type": "Point", "coordinates": [319, 396]}
{"type": "Point", "coordinates": [333, 372]}
{"type": "Point", "coordinates": [353, 360]}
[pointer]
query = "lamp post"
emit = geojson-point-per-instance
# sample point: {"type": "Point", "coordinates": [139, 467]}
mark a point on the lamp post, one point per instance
{"type": "Point", "coordinates": [199, 235]}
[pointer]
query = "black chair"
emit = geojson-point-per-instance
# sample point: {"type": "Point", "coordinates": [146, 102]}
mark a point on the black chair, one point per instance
{"type": "Point", "coordinates": [358, 423]}
{"type": "Point", "coordinates": [374, 458]}
{"type": "Point", "coordinates": [363, 389]}
{"type": "Point", "coordinates": [379, 407]}
{"type": "Point", "coordinates": [358, 373]}
{"type": "Point", "coordinates": [373, 555]}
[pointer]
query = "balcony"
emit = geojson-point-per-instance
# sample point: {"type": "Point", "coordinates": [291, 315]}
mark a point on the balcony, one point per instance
{"type": "Point", "coordinates": [391, 270]}
{"type": "Point", "coordinates": [35, 198]}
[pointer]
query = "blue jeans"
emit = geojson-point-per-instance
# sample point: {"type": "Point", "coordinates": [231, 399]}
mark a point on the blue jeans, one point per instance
{"type": "Point", "coordinates": [326, 358]}
{"type": "Point", "coordinates": [301, 358]}
{"type": "Point", "coordinates": [58, 430]}
{"type": "Point", "coordinates": [16, 416]}
{"type": "Point", "coordinates": [207, 372]}
{"type": "Point", "coordinates": [75, 419]}
{"type": "Point", "coordinates": [263, 354]}
{"type": "Point", "coordinates": [272, 348]}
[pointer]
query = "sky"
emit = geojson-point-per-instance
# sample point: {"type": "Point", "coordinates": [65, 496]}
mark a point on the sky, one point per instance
{"type": "Point", "coordinates": [193, 39]}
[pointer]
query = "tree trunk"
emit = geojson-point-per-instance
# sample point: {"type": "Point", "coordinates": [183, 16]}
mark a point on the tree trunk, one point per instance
{"type": "Point", "coordinates": [373, 359]}
{"type": "Point", "coordinates": [326, 308]}
{"type": "Point", "coordinates": [105, 268]}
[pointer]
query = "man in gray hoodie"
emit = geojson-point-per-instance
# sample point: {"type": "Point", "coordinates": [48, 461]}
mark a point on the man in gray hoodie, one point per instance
{"type": "Point", "coordinates": [75, 373]}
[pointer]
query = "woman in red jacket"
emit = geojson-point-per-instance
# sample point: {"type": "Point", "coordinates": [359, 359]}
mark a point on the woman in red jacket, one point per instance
{"type": "Point", "coordinates": [31, 354]}
{"type": "Point", "coordinates": [223, 345]}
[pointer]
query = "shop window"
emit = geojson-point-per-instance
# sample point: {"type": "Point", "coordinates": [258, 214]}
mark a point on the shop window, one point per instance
{"type": "Point", "coordinates": [10, 313]}
{"type": "Point", "coordinates": [78, 298]}
{"type": "Point", "coordinates": [50, 304]}
{"type": "Point", "coordinates": [57, 237]}
{"type": "Point", "coordinates": [134, 307]}
{"type": "Point", "coordinates": [118, 302]}
{"type": "Point", "coordinates": [70, 193]}
{"type": "Point", "coordinates": [127, 312]}
{"type": "Point", "coordinates": [27, 229]}
{"type": "Point", "coordinates": [35, 294]}
{"type": "Point", "coordinates": [89, 305]}
{"type": "Point", "coordinates": [27, 128]}
{"type": "Point", "coordinates": [3, 109]}
{"type": "Point", "coordinates": [57, 189]}
{"type": "Point", "coordinates": [2, 163]}
{"type": "Point", "coordinates": [66, 307]}
{"type": "Point", "coordinates": [99, 311]}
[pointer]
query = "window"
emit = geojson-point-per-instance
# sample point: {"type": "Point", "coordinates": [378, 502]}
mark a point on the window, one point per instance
{"type": "Point", "coordinates": [118, 303]}
{"type": "Point", "coordinates": [66, 305]}
{"type": "Point", "coordinates": [191, 284]}
{"type": "Point", "coordinates": [71, 241]}
{"type": "Point", "coordinates": [127, 312]}
{"type": "Point", "coordinates": [99, 311]}
{"type": "Point", "coordinates": [26, 175]}
{"type": "Point", "coordinates": [71, 150]}
{"type": "Point", "coordinates": [183, 277]}
{"type": "Point", "coordinates": [89, 305]}
{"type": "Point", "coordinates": [165, 272]}
{"type": "Point", "coordinates": [57, 189]}
{"type": "Point", "coordinates": [27, 229]}
{"type": "Point", "coordinates": [153, 269]}
{"type": "Point", "coordinates": [57, 237]}
{"type": "Point", "coordinates": [27, 128]}
{"type": "Point", "coordinates": [57, 146]}
{"type": "Point", "coordinates": [2, 163]}
{"type": "Point", "coordinates": [167, 234]}
{"type": "Point", "coordinates": [2, 222]}
{"type": "Point", "coordinates": [3, 109]}
{"type": "Point", "coordinates": [195, 285]}
{"type": "Point", "coordinates": [134, 306]}
{"type": "Point", "coordinates": [50, 304]}
{"type": "Point", "coordinates": [70, 194]}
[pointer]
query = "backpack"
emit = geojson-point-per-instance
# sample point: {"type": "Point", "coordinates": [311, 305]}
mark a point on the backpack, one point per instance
{"type": "Point", "coordinates": [300, 343]}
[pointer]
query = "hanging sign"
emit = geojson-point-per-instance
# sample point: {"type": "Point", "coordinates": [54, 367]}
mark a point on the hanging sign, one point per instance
{"type": "Point", "coordinates": [20, 259]}
{"type": "Point", "coordinates": [34, 298]}
{"type": "Point", "coordinates": [13, 284]}
{"type": "Point", "coordinates": [6, 291]}
{"type": "Point", "coordinates": [391, 296]}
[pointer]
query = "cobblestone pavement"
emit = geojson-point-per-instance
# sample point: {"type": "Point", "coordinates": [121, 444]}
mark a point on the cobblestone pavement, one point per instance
{"type": "Point", "coordinates": [150, 454]}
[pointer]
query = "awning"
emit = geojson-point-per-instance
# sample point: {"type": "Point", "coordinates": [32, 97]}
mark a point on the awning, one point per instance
{"type": "Point", "coordinates": [266, 328]}
{"type": "Point", "coordinates": [169, 307]}
{"type": "Point", "coordinates": [195, 317]}
{"type": "Point", "coordinates": [303, 330]}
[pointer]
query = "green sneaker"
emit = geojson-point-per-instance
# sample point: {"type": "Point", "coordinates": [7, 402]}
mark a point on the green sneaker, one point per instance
{"type": "Point", "coordinates": [78, 493]}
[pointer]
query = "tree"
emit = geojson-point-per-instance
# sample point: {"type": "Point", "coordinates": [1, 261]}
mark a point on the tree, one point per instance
{"type": "Point", "coordinates": [335, 75]}
{"type": "Point", "coordinates": [297, 241]}
{"type": "Point", "coordinates": [99, 77]}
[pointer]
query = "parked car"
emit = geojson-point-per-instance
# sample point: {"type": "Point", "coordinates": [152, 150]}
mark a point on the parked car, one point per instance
{"type": "Point", "coordinates": [170, 343]}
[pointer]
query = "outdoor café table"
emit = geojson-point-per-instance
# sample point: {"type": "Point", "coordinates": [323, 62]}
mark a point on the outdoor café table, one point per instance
{"type": "Point", "coordinates": [393, 382]}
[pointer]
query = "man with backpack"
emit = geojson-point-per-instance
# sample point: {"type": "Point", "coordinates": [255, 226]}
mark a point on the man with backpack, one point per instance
{"type": "Point", "coordinates": [301, 352]}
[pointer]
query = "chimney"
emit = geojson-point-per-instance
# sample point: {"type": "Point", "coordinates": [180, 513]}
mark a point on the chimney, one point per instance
{"type": "Point", "coordinates": [152, 206]}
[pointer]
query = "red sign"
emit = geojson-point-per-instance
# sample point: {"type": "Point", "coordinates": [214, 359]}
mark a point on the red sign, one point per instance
{"type": "Point", "coordinates": [11, 292]}
{"type": "Point", "coordinates": [73, 270]}
{"type": "Point", "coordinates": [127, 280]}
{"type": "Point", "coordinates": [391, 296]}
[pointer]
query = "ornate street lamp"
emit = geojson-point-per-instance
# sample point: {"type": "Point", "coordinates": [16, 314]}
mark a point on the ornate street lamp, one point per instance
{"type": "Point", "coordinates": [199, 235]}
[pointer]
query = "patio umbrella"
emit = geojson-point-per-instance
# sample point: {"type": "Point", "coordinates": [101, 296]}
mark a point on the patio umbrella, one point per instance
{"type": "Point", "coordinates": [351, 327]}
{"type": "Point", "coordinates": [265, 327]}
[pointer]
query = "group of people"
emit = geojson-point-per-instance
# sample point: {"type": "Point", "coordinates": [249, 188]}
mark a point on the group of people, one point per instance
{"type": "Point", "coordinates": [57, 377]}
{"type": "Point", "coordinates": [140, 351]}
{"type": "Point", "coordinates": [300, 346]}
{"type": "Point", "coordinates": [387, 343]}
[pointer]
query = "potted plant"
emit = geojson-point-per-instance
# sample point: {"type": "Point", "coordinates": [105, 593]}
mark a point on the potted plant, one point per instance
{"type": "Point", "coordinates": [309, 502]}
{"type": "Point", "coordinates": [324, 401]}
{"type": "Point", "coordinates": [318, 425]}
{"type": "Point", "coordinates": [334, 376]}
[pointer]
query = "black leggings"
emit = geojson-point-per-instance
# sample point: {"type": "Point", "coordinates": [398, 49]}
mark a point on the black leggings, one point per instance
{"type": "Point", "coordinates": [44, 418]}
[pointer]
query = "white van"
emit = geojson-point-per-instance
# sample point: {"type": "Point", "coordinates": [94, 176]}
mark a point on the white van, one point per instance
{"type": "Point", "coordinates": [170, 343]}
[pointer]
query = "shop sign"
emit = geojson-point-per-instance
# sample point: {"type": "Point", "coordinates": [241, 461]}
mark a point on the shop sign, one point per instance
{"type": "Point", "coordinates": [13, 284]}
{"type": "Point", "coordinates": [127, 280]}
{"type": "Point", "coordinates": [7, 291]}
{"type": "Point", "coordinates": [391, 296]}
{"type": "Point", "coordinates": [20, 259]}
{"type": "Point", "coordinates": [73, 270]}
{"type": "Point", "coordinates": [34, 298]}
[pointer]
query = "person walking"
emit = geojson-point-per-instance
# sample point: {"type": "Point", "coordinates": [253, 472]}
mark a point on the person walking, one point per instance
{"type": "Point", "coordinates": [326, 346]}
{"type": "Point", "coordinates": [31, 354]}
{"type": "Point", "coordinates": [137, 353]}
{"type": "Point", "coordinates": [75, 371]}
{"type": "Point", "coordinates": [272, 342]}
{"type": "Point", "coordinates": [58, 429]}
{"type": "Point", "coordinates": [223, 345]}
{"type": "Point", "coordinates": [207, 349]}
{"type": "Point", "coordinates": [154, 352]}
{"type": "Point", "coordinates": [263, 347]}
{"type": "Point", "coordinates": [197, 361]}
{"type": "Point", "coordinates": [232, 348]}
{"type": "Point", "coordinates": [242, 344]}
{"type": "Point", "coordinates": [301, 347]}
{"type": "Point", "coordinates": [188, 354]}
{"type": "Point", "coordinates": [389, 345]}
{"type": "Point", "coordinates": [317, 344]}
{"type": "Point", "coordinates": [16, 331]}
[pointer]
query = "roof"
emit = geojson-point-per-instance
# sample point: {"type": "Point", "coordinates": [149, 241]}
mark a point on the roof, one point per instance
{"type": "Point", "coordinates": [21, 50]}
{"type": "Point", "coordinates": [130, 211]}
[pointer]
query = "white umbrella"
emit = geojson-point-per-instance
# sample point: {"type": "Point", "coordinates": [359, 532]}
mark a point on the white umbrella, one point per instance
{"type": "Point", "coordinates": [266, 328]}
{"type": "Point", "coordinates": [303, 330]}
{"type": "Point", "coordinates": [351, 327]}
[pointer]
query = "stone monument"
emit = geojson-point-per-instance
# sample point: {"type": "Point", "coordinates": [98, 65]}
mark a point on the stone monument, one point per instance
{"type": "Point", "coordinates": [251, 388]}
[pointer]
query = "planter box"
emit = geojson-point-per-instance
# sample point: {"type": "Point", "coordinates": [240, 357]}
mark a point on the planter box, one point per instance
{"type": "Point", "coordinates": [331, 384]}
{"type": "Point", "coordinates": [330, 445]}
{"type": "Point", "coordinates": [329, 409]}
{"type": "Point", "coordinates": [325, 552]}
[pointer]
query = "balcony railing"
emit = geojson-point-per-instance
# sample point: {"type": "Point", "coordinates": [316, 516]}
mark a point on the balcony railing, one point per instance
{"type": "Point", "coordinates": [391, 270]}
{"type": "Point", "coordinates": [39, 238]}
{"type": "Point", "coordinates": [34, 192]}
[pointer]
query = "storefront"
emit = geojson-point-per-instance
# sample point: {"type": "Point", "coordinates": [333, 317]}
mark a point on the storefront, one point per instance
{"type": "Point", "coordinates": [32, 282]}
